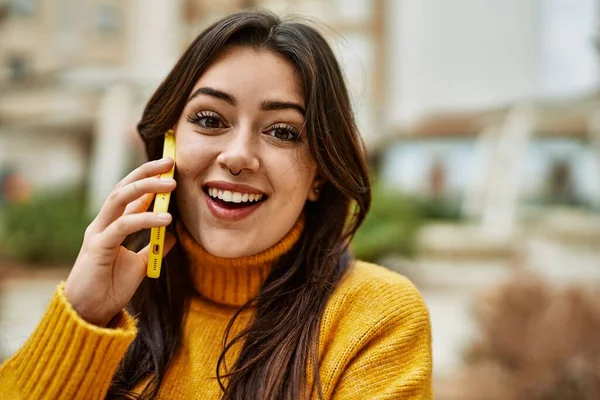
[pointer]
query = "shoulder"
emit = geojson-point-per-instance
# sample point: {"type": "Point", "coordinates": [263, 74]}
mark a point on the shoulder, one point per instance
{"type": "Point", "coordinates": [375, 336]}
{"type": "Point", "coordinates": [365, 273]}
{"type": "Point", "coordinates": [373, 300]}
{"type": "Point", "coordinates": [370, 289]}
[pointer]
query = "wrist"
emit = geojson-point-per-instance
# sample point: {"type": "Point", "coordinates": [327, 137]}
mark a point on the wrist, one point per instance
{"type": "Point", "coordinates": [85, 312]}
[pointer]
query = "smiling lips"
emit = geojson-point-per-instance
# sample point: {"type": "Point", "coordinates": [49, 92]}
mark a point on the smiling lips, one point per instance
{"type": "Point", "coordinates": [233, 197]}
{"type": "Point", "coordinates": [232, 201]}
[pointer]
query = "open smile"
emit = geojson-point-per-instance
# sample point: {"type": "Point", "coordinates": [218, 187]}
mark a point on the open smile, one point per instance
{"type": "Point", "coordinates": [231, 201]}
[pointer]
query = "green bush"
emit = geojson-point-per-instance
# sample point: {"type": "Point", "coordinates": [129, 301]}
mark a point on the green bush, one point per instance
{"type": "Point", "coordinates": [438, 209]}
{"type": "Point", "coordinates": [48, 229]}
{"type": "Point", "coordinates": [389, 228]}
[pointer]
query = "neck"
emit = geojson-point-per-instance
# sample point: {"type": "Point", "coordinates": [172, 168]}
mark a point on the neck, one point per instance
{"type": "Point", "coordinates": [233, 281]}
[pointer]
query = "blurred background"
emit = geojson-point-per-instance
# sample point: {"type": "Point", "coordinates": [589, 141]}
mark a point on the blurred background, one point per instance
{"type": "Point", "coordinates": [482, 118]}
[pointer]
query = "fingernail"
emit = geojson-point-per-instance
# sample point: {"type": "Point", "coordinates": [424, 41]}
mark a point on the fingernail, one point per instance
{"type": "Point", "coordinates": [164, 216]}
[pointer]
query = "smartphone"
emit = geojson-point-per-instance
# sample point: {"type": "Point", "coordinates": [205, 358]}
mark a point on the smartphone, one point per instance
{"type": "Point", "coordinates": [161, 205]}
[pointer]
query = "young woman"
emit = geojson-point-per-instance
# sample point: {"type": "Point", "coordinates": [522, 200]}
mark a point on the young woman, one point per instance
{"type": "Point", "coordinates": [258, 297]}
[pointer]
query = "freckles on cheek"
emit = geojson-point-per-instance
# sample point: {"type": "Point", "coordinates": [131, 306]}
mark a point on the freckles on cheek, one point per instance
{"type": "Point", "coordinates": [293, 192]}
{"type": "Point", "coordinates": [294, 181]}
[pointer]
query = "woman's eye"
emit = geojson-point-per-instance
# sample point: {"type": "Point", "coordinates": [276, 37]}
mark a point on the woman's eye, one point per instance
{"type": "Point", "coordinates": [206, 121]}
{"type": "Point", "coordinates": [284, 133]}
{"type": "Point", "coordinates": [209, 122]}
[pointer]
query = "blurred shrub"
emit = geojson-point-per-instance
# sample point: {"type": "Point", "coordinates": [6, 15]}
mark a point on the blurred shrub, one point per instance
{"type": "Point", "coordinates": [537, 343]}
{"type": "Point", "coordinates": [439, 209]}
{"type": "Point", "coordinates": [389, 228]}
{"type": "Point", "coordinates": [47, 229]}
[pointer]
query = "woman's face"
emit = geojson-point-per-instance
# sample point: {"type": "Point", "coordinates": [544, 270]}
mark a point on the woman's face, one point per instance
{"type": "Point", "coordinates": [244, 117]}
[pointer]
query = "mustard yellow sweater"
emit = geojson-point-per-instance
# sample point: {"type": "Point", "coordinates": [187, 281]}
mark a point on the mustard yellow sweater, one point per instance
{"type": "Point", "coordinates": [375, 339]}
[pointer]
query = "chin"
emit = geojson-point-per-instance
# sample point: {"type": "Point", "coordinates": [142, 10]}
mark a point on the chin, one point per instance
{"type": "Point", "coordinates": [227, 247]}
{"type": "Point", "coordinates": [227, 252]}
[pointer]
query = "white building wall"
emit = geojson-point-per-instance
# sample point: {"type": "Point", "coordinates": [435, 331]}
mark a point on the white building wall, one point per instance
{"type": "Point", "coordinates": [478, 54]}
{"type": "Point", "coordinates": [569, 63]}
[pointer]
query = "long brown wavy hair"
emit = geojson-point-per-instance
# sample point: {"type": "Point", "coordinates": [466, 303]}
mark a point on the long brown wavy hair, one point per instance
{"type": "Point", "coordinates": [282, 338]}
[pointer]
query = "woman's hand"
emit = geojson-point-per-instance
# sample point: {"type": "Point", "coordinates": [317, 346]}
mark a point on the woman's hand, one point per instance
{"type": "Point", "coordinates": [106, 275]}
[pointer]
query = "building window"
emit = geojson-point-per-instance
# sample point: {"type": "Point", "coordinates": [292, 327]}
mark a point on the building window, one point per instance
{"type": "Point", "coordinates": [108, 19]}
{"type": "Point", "coordinates": [23, 7]}
{"type": "Point", "coordinates": [18, 68]}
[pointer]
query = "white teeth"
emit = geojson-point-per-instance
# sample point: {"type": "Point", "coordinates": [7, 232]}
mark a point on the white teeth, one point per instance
{"type": "Point", "coordinates": [233, 197]}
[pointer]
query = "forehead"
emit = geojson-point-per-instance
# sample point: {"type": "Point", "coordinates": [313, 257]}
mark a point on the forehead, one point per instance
{"type": "Point", "coordinates": [253, 75]}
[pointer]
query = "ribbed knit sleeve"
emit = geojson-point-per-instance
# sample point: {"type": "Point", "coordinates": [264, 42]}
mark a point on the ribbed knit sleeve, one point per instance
{"type": "Point", "coordinates": [66, 357]}
{"type": "Point", "coordinates": [382, 347]}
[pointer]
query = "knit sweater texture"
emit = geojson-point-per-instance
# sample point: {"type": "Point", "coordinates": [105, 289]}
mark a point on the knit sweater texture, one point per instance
{"type": "Point", "coordinates": [374, 342]}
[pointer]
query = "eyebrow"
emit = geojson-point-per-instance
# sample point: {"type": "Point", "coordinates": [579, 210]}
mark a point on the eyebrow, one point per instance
{"type": "Point", "coordinates": [267, 105]}
{"type": "Point", "coordinates": [270, 105]}
{"type": "Point", "coordinates": [214, 93]}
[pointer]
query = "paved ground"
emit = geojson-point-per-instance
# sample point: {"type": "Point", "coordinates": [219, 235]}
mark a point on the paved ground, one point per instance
{"type": "Point", "coordinates": [22, 305]}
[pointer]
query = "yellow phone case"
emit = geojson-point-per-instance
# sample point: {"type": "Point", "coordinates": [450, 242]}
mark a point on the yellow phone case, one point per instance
{"type": "Point", "coordinates": [161, 205]}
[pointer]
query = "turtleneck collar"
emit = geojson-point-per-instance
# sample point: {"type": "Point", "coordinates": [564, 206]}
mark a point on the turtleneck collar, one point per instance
{"type": "Point", "coordinates": [232, 281]}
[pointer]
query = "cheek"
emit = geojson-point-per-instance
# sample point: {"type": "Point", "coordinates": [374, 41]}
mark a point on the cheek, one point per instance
{"type": "Point", "coordinates": [193, 156]}
{"type": "Point", "coordinates": [292, 176]}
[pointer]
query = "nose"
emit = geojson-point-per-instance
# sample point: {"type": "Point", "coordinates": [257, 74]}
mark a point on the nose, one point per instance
{"type": "Point", "coordinates": [239, 152]}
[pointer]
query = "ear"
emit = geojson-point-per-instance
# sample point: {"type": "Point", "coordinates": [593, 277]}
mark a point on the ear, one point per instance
{"type": "Point", "coordinates": [315, 189]}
